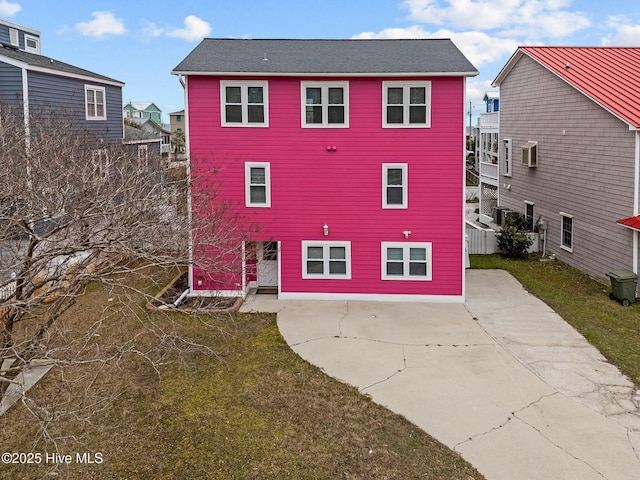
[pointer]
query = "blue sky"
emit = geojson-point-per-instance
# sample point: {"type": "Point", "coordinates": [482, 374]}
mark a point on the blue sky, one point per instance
{"type": "Point", "coordinates": [139, 42]}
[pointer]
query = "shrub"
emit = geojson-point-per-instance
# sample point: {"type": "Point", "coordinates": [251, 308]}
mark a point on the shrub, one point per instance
{"type": "Point", "coordinates": [513, 238]}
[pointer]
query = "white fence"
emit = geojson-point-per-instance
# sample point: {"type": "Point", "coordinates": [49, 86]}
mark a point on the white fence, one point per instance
{"type": "Point", "coordinates": [7, 290]}
{"type": "Point", "coordinates": [480, 241]}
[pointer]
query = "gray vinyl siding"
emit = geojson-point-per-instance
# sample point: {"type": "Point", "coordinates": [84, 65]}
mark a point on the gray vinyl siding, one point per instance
{"type": "Point", "coordinates": [10, 83]}
{"type": "Point", "coordinates": [585, 167]}
{"type": "Point", "coordinates": [68, 94]}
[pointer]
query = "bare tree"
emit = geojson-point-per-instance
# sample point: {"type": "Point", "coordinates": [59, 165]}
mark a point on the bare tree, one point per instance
{"type": "Point", "coordinates": [76, 209]}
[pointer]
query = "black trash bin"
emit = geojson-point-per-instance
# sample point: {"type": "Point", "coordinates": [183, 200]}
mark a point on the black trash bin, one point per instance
{"type": "Point", "coordinates": [623, 286]}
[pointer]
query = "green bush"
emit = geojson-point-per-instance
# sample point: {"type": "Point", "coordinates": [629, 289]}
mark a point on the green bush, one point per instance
{"type": "Point", "coordinates": [513, 239]}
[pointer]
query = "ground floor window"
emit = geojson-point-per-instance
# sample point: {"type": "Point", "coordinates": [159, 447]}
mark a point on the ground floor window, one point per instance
{"type": "Point", "coordinates": [406, 261]}
{"type": "Point", "coordinates": [566, 239]}
{"type": "Point", "coordinates": [326, 260]}
{"type": "Point", "coordinates": [529, 214]}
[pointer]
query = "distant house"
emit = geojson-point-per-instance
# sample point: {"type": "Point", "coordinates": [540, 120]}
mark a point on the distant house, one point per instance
{"type": "Point", "coordinates": [570, 151]}
{"type": "Point", "coordinates": [143, 110]}
{"type": "Point", "coordinates": [35, 82]}
{"type": "Point", "coordinates": [345, 153]}
{"type": "Point", "coordinates": [176, 121]}
{"type": "Point", "coordinates": [145, 143]}
{"type": "Point", "coordinates": [487, 159]}
{"type": "Point", "coordinates": [154, 130]}
{"type": "Point", "coordinates": [491, 101]}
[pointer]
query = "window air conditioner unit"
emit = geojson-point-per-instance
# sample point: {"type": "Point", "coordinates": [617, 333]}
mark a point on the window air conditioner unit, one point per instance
{"type": "Point", "coordinates": [530, 154]}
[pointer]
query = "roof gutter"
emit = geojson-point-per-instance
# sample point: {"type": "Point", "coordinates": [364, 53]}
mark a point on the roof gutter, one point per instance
{"type": "Point", "coordinates": [327, 74]}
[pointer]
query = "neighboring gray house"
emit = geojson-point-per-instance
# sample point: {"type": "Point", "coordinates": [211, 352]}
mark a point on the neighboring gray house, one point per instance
{"type": "Point", "coordinates": [155, 130]}
{"type": "Point", "coordinates": [35, 81]}
{"type": "Point", "coordinates": [570, 151]}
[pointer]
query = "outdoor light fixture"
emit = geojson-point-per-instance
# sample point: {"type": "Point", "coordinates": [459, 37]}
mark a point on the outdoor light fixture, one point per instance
{"type": "Point", "coordinates": [325, 229]}
{"type": "Point", "coordinates": [406, 233]}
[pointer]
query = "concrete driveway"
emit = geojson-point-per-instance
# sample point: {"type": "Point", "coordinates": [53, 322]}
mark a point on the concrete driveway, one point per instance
{"type": "Point", "coordinates": [502, 379]}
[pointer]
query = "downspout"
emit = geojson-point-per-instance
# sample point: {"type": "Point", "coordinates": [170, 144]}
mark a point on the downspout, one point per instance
{"type": "Point", "coordinates": [636, 199]}
{"type": "Point", "coordinates": [185, 87]}
{"type": "Point", "coordinates": [25, 107]}
{"type": "Point", "coordinates": [463, 163]}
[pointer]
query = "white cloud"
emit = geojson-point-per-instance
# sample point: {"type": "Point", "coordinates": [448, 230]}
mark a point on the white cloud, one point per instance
{"type": "Point", "coordinates": [626, 33]}
{"type": "Point", "coordinates": [151, 29]}
{"type": "Point", "coordinates": [534, 18]}
{"type": "Point", "coordinates": [9, 9]}
{"type": "Point", "coordinates": [103, 23]}
{"type": "Point", "coordinates": [195, 29]}
{"type": "Point", "coordinates": [478, 47]}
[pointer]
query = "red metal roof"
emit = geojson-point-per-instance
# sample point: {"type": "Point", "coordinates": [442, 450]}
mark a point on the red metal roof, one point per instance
{"type": "Point", "coordinates": [631, 222]}
{"type": "Point", "coordinates": [608, 75]}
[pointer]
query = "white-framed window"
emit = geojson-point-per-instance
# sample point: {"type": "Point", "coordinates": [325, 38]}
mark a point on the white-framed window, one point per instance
{"type": "Point", "coordinates": [566, 235]}
{"type": "Point", "coordinates": [31, 44]}
{"type": "Point", "coordinates": [529, 213]}
{"type": "Point", "coordinates": [95, 102]}
{"type": "Point", "coordinates": [406, 104]}
{"type": "Point", "coordinates": [406, 261]}
{"type": "Point", "coordinates": [507, 160]}
{"type": "Point", "coordinates": [257, 184]}
{"type": "Point", "coordinates": [326, 260]}
{"type": "Point", "coordinates": [394, 185]}
{"type": "Point", "coordinates": [530, 154]}
{"type": "Point", "coordinates": [244, 103]}
{"type": "Point", "coordinates": [325, 104]}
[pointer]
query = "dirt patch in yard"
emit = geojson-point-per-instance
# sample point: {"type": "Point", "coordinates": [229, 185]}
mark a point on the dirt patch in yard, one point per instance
{"type": "Point", "coordinates": [176, 289]}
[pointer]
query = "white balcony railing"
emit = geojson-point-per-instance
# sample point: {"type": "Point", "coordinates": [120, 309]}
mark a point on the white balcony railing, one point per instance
{"type": "Point", "coordinates": [489, 120]}
{"type": "Point", "coordinates": [489, 170]}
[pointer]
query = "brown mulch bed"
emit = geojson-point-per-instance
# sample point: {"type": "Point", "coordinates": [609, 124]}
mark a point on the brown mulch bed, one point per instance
{"type": "Point", "coordinates": [172, 292]}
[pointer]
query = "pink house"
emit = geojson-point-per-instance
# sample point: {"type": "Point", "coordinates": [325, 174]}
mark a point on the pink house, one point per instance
{"type": "Point", "coordinates": [347, 156]}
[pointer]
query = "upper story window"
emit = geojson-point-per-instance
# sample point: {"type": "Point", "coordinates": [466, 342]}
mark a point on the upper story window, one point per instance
{"type": "Point", "coordinates": [406, 104]}
{"type": "Point", "coordinates": [394, 185]}
{"type": "Point", "coordinates": [325, 104]}
{"type": "Point", "coordinates": [258, 184]}
{"type": "Point", "coordinates": [31, 44]}
{"type": "Point", "coordinates": [506, 157]}
{"type": "Point", "coordinates": [244, 103]}
{"type": "Point", "coordinates": [95, 102]}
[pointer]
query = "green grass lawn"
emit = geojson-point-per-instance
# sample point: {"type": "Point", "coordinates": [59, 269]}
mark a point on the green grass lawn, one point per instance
{"type": "Point", "coordinates": [254, 410]}
{"type": "Point", "coordinates": [581, 301]}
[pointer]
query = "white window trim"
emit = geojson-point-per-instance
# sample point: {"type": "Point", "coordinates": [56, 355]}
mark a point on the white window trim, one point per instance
{"type": "Point", "coordinates": [29, 49]}
{"type": "Point", "coordinates": [405, 257]}
{"type": "Point", "coordinates": [325, 258]}
{"type": "Point", "coordinates": [95, 88]}
{"type": "Point", "coordinates": [405, 185]}
{"type": "Point", "coordinates": [527, 204]}
{"type": "Point", "coordinates": [267, 175]}
{"type": "Point", "coordinates": [507, 161]}
{"type": "Point", "coordinates": [562, 245]}
{"type": "Point", "coordinates": [325, 104]}
{"type": "Point", "coordinates": [405, 116]}
{"type": "Point", "coordinates": [244, 85]}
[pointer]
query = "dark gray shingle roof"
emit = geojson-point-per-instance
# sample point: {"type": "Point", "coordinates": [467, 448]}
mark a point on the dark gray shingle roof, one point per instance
{"type": "Point", "coordinates": [360, 57]}
{"type": "Point", "coordinates": [41, 61]}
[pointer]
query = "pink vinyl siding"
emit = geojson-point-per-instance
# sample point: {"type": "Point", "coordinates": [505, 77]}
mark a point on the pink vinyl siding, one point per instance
{"type": "Point", "coordinates": [313, 185]}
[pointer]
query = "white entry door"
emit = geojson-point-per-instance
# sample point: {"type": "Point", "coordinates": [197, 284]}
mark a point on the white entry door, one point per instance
{"type": "Point", "coordinates": [267, 260]}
